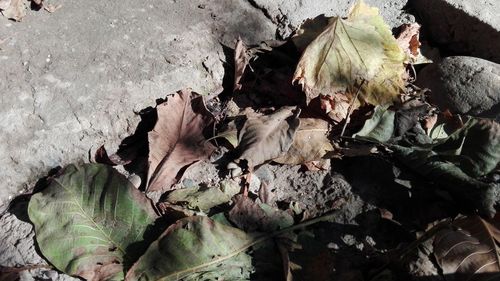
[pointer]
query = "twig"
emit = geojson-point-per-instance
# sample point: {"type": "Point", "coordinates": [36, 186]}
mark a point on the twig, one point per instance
{"type": "Point", "coordinates": [349, 111]}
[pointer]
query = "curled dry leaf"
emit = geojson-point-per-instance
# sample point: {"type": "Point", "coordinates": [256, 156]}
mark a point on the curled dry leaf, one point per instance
{"type": "Point", "coordinates": [469, 250]}
{"type": "Point", "coordinates": [88, 218]}
{"type": "Point", "coordinates": [241, 60]}
{"type": "Point", "coordinates": [177, 139]}
{"type": "Point", "coordinates": [357, 52]}
{"type": "Point", "coordinates": [16, 10]}
{"type": "Point", "coordinates": [51, 8]}
{"type": "Point", "coordinates": [267, 137]}
{"type": "Point", "coordinates": [408, 40]}
{"type": "Point", "coordinates": [310, 142]}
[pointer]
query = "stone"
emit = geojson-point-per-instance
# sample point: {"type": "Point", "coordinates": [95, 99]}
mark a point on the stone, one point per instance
{"type": "Point", "coordinates": [462, 27]}
{"type": "Point", "coordinates": [464, 85]}
{"type": "Point", "coordinates": [71, 80]}
{"type": "Point", "coordinates": [288, 15]}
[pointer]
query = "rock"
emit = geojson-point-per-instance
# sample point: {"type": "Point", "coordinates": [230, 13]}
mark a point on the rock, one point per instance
{"type": "Point", "coordinates": [464, 85]}
{"type": "Point", "coordinates": [462, 26]}
{"type": "Point", "coordinates": [71, 81]}
{"type": "Point", "coordinates": [288, 15]}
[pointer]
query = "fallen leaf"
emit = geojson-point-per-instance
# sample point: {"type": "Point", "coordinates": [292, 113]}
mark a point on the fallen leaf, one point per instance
{"type": "Point", "coordinates": [241, 60]}
{"type": "Point", "coordinates": [469, 250]}
{"type": "Point", "coordinates": [408, 40]}
{"type": "Point", "coordinates": [87, 220]}
{"type": "Point", "coordinates": [197, 198]}
{"type": "Point", "coordinates": [196, 248]}
{"type": "Point", "coordinates": [380, 127]}
{"type": "Point", "coordinates": [177, 139]}
{"type": "Point", "coordinates": [52, 8]}
{"type": "Point", "coordinates": [310, 143]}
{"type": "Point", "coordinates": [101, 156]}
{"type": "Point", "coordinates": [267, 137]}
{"type": "Point", "coordinates": [357, 52]}
{"type": "Point", "coordinates": [309, 30]}
{"type": "Point", "coordinates": [251, 216]}
{"type": "Point", "coordinates": [16, 11]}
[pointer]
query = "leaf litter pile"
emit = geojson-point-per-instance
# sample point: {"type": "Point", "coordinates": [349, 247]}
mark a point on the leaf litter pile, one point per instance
{"type": "Point", "coordinates": [335, 98]}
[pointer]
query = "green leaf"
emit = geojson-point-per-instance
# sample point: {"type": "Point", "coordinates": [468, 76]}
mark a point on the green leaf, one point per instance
{"type": "Point", "coordinates": [380, 127]}
{"type": "Point", "coordinates": [196, 198]}
{"type": "Point", "coordinates": [89, 221]}
{"type": "Point", "coordinates": [357, 52]}
{"type": "Point", "coordinates": [196, 248]}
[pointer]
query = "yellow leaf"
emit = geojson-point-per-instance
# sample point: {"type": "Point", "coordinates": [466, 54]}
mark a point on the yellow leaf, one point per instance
{"type": "Point", "coordinates": [357, 52]}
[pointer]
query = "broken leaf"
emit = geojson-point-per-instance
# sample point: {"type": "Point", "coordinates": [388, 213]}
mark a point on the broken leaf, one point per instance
{"type": "Point", "coordinates": [177, 139]}
{"type": "Point", "coordinates": [51, 8]}
{"type": "Point", "coordinates": [408, 40]}
{"type": "Point", "coordinates": [267, 137]}
{"type": "Point", "coordinates": [358, 52]}
{"type": "Point", "coordinates": [87, 221]}
{"type": "Point", "coordinates": [469, 249]}
{"type": "Point", "coordinates": [196, 248]}
{"type": "Point", "coordinates": [310, 142]}
{"type": "Point", "coordinates": [16, 10]}
{"type": "Point", "coordinates": [251, 216]}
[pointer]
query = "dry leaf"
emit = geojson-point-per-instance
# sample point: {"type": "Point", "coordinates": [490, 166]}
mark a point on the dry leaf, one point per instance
{"type": "Point", "coordinates": [267, 137]}
{"type": "Point", "coordinates": [408, 40]}
{"type": "Point", "coordinates": [310, 143]}
{"type": "Point", "coordinates": [309, 30]}
{"type": "Point", "coordinates": [16, 11]}
{"type": "Point", "coordinates": [177, 139]}
{"type": "Point", "coordinates": [357, 52]}
{"type": "Point", "coordinates": [52, 8]}
{"type": "Point", "coordinates": [241, 59]}
{"type": "Point", "coordinates": [470, 248]}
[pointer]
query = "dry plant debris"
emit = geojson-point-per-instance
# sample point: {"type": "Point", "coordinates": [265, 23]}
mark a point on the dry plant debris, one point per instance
{"type": "Point", "coordinates": [356, 100]}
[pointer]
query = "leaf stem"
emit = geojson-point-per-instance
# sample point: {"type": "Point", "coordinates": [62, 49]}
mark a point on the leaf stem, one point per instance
{"type": "Point", "coordinates": [349, 111]}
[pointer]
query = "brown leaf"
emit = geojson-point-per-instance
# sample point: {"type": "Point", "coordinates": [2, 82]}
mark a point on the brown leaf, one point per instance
{"type": "Point", "coordinates": [267, 137]}
{"type": "Point", "coordinates": [101, 156]}
{"type": "Point", "coordinates": [310, 143]}
{"type": "Point", "coordinates": [241, 59]}
{"type": "Point", "coordinates": [408, 40]}
{"type": "Point", "coordinates": [469, 248]}
{"type": "Point", "coordinates": [16, 11]}
{"type": "Point", "coordinates": [177, 139]}
{"type": "Point", "coordinates": [52, 8]}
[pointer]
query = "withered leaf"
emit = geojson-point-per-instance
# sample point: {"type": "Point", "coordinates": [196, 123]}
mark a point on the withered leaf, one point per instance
{"type": "Point", "coordinates": [241, 59]}
{"type": "Point", "coordinates": [310, 143]}
{"type": "Point", "coordinates": [469, 249]}
{"type": "Point", "coordinates": [357, 52]}
{"type": "Point", "coordinates": [177, 139]}
{"type": "Point", "coordinates": [408, 40]}
{"type": "Point", "coordinates": [16, 10]}
{"type": "Point", "coordinates": [267, 137]}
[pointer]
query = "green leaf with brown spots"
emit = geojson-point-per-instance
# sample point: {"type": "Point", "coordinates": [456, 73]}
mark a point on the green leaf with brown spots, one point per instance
{"type": "Point", "coordinates": [90, 221]}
